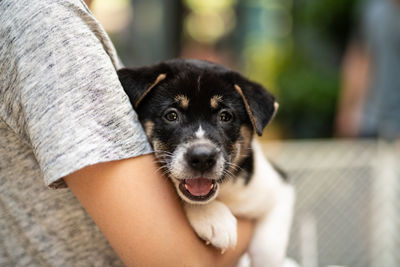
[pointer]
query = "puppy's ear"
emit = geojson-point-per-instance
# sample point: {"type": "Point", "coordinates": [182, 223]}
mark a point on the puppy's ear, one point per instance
{"type": "Point", "coordinates": [260, 104]}
{"type": "Point", "coordinates": [138, 82]}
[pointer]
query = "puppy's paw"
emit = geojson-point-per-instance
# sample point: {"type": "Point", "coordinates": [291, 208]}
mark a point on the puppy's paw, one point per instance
{"type": "Point", "coordinates": [214, 223]}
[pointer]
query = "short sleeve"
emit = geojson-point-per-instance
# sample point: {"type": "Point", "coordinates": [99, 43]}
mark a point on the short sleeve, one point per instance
{"type": "Point", "coordinates": [73, 107]}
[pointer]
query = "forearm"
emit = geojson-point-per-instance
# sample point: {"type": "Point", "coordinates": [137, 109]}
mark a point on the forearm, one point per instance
{"type": "Point", "coordinates": [139, 213]}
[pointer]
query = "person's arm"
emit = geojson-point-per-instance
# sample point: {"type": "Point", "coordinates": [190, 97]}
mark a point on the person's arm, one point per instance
{"type": "Point", "coordinates": [140, 214]}
{"type": "Point", "coordinates": [355, 72]}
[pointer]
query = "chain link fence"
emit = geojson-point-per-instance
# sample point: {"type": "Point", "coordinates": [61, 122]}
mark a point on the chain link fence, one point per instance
{"type": "Point", "coordinates": [347, 209]}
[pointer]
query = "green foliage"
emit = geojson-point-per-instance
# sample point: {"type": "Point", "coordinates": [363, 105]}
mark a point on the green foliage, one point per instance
{"type": "Point", "coordinates": [307, 99]}
{"type": "Point", "coordinates": [308, 84]}
{"type": "Point", "coordinates": [331, 19]}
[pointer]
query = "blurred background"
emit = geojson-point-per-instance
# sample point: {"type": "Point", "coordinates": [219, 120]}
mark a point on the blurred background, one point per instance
{"type": "Point", "coordinates": [294, 48]}
{"type": "Point", "coordinates": [334, 66]}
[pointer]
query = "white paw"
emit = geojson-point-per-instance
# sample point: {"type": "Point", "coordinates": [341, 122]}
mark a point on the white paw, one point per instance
{"type": "Point", "coordinates": [214, 223]}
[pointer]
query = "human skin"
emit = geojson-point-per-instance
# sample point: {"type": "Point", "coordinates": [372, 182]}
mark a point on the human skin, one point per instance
{"type": "Point", "coordinates": [88, 2]}
{"type": "Point", "coordinates": [138, 211]}
{"type": "Point", "coordinates": [355, 72]}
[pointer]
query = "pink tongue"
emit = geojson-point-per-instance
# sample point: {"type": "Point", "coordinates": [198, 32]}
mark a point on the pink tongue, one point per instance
{"type": "Point", "coordinates": [199, 186]}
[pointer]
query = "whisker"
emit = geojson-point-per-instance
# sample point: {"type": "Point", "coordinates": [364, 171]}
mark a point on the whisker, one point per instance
{"type": "Point", "coordinates": [229, 173]}
{"type": "Point", "coordinates": [164, 170]}
{"type": "Point", "coordinates": [234, 166]}
{"type": "Point", "coordinates": [163, 151]}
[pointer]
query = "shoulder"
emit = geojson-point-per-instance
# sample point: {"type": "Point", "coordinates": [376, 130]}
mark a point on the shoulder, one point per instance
{"type": "Point", "coordinates": [25, 10]}
{"type": "Point", "coordinates": [25, 21]}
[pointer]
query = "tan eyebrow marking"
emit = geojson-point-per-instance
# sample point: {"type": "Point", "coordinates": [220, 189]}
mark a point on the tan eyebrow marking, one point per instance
{"type": "Point", "coordinates": [182, 100]}
{"type": "Point", "coordinates": [215, 100]}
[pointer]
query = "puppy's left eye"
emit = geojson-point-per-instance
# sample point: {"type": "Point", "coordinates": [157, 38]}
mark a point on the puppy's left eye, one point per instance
{"type": "Point", "coordinates": [171, 115]}
{"type": "Point", "coordinates": [225, 116]}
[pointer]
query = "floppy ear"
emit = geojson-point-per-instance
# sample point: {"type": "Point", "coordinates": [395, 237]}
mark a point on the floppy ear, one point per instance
{"type": "Point", "coordinates": [138, 82]}
{"type": "Point", "coordinates": [259, 103]}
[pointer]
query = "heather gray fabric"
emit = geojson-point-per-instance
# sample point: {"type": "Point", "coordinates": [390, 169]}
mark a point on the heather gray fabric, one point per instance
{"type": "Point", "coordinates": [61, 108]}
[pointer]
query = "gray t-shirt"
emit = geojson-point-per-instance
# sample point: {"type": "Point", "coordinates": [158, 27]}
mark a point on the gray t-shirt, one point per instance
{"type": "Point", "coordinates": [61, 108]}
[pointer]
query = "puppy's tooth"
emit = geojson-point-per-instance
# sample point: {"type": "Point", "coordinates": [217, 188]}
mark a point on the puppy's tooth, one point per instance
{"type": "Point", "coordinates": [208, 242]}
{"type": "Point", "coordinates": [212, 185]}
{"type": "Point", "coordinates": [223, 251]}
{"type": "Point", "coordinates": [186, 187]}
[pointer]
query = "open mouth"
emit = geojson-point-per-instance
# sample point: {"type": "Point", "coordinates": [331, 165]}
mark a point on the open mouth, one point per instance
{"type": "Point", "coordinates": [199, 189]}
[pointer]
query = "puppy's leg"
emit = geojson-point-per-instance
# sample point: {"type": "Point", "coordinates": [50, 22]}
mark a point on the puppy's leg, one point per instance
{"type": "Point", "coordinates": [214, 223]}
{"type": "Point", "coordinates": [268, 247]}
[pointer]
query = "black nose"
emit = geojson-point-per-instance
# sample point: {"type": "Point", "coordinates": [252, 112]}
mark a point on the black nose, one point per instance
{"type": "Point", "coordinates": [201, 157]}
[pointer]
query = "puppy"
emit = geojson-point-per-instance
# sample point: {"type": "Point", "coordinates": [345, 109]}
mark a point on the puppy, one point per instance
{"type": "Point", "coordinates": [200, 118]}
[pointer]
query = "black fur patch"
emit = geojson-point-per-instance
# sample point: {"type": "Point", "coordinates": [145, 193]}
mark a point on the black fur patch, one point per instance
{"type": "Point", "coordinates": [248, 166]}
{"type": "Point", "coordinates": [198, 81]}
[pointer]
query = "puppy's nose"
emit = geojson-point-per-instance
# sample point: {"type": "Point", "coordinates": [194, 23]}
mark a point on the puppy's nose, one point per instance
{"type": "Point", "coordinates": [201, 157]}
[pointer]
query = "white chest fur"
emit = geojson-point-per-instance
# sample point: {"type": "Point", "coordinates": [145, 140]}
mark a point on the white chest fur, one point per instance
{"type": "Point", "coordinates": [257, 197]}
{"type": "Point", "coordinates": [266, 198]}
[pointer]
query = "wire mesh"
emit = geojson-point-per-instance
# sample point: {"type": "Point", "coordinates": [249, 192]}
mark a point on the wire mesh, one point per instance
{"type": "Point", "coordinates": [347, 211]}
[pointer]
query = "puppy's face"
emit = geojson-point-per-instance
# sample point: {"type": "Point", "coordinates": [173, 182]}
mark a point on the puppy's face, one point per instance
{"type": "Point", "coordinates": [199, 121]}
{"type": "Point", "coordinates": [199, 131]}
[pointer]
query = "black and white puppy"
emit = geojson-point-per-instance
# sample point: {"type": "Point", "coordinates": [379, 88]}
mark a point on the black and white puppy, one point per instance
{"type": "Point", "coordinates": [200, 118]}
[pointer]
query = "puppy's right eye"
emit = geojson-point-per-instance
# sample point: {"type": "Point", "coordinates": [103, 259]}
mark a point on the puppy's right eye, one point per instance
{"type": "Point", "coordinates": [225, 116]}
{"type": "Point", "coordinates": [171, 115]}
